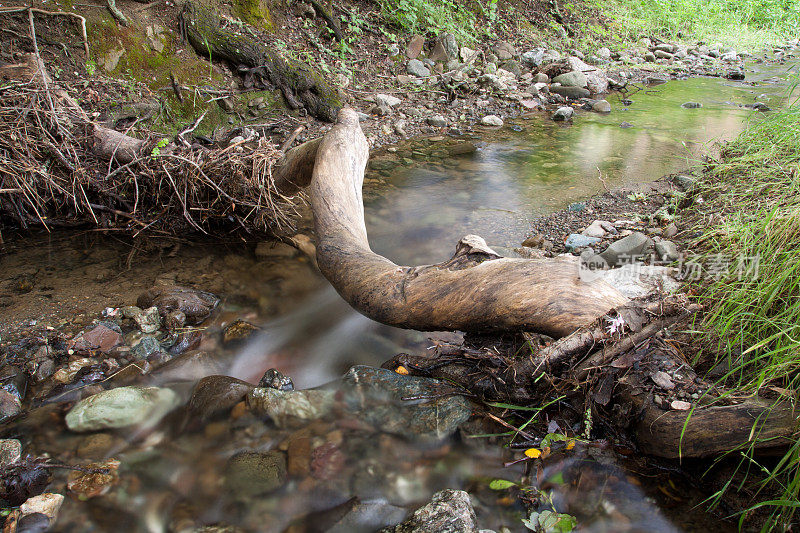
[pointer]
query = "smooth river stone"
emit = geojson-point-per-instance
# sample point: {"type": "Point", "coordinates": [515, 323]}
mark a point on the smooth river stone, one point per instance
{"type": "Point", "coordinates": [122, 407]}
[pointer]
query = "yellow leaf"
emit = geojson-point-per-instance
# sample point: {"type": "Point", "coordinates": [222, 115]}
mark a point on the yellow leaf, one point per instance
{"type": "Point", "coordinates": [533, 453]}
{"type": "Point", "coordinates": [570, 445]}
{"type": "Point", "coordinates": [401, 370]}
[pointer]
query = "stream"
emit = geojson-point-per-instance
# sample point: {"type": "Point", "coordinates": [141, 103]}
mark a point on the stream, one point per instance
{"type": "Point", "coordinates": [419, 202]}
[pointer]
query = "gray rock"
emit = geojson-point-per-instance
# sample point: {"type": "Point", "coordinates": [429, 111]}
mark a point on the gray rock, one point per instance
{"type": "Point", "coordinates": [685, 182]}
{"type": "Point", "coordinates": [595, 229]}
{"type": "Point", "coordinates": [601, 106]}
{"type": "Point", "coordinates": [596, 79]}
{"type": "Point", "coordinates": [415, 67]}
{"type": "Point", "coordinates": [10, 452]}
{"type": "Point", "coordinates": [288, 407]}
{"type": "Point", "coordinates": [563, 113]}
{"type": "Point", "coordinates": [660, 54]}
{"type": "Point", "coordinates": [369, 516]}
{"type": "Point", "coordinates": [513, 67]}
{"type": "Point", "coordinates": [492, 120]}
{"type": "Point", "coordinates": [249, 474]}
{"type": "Point", "coordinates": [576, 240]}
{"type": "Point", "coordinates": [386, 100]}
{"type": "Point", "coordinates": [665, 47]}
{"type": "Point", "coordinates": [541, 77]}
{"type": "Point", "coordinates": [214, 395]}
{"type": "Point", "coordinates": [574, 93]}
{"type": "Point", "coordinates": [449, 511]}
{"type": "Point", "coordinates": [533, 58]}
{"type": "Point", "coordinates": [376, 394]}
{"type": "Point", "coordinates": [450, 44]}
{"type": "Point", "coordinates": [122, 407]}
{"type": "Point", "coordinates": [196, 305]}
{"type": "Point", "coordinates": [667, 251]}
{"type": "Point", "coordinates": [146, 346]}
{"type": "Point", "coordinates": [671, 230]}
{"type": "Point", "coordinates": [572, 79]}
{"type": "Point", "coordinates": [626, 250]}
{"type": "Point", "coordinates": [604, 53]}
{"type": "Point", "coordinates": [148, 320]}
{"type": "Point", "coordinates": [437, 121]}
{"type": "Point", "coordinates": [650, 57]}
{"type": "Point", "coordinates": [504, 50]}
{"type": "Point", "coordinates": [691, 105]}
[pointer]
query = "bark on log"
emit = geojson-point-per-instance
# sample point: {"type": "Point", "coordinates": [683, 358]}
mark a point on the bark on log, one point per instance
{"type": "Point", "coordinates": [301, 85]}
{"type": "Point", "coordinates": [714, 430]}
{"type": "Point", "coordinates": [474, 291]}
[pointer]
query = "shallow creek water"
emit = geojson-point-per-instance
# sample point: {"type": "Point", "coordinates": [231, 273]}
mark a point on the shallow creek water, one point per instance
{"type": "Point", "coordinates": [171, 478]}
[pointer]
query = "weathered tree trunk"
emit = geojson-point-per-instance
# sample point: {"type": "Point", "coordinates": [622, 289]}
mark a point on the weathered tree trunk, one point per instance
{"type": "Point", "coordinates": [474, 291]}
{"type": "Point", "coordinates": [302, 86]}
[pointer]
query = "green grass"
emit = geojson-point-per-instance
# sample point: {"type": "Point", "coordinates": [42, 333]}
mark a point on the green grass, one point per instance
{"type": "Point", "coordinates": [753, 205]}
{"type": "Point", "coordinates": [739, 23]}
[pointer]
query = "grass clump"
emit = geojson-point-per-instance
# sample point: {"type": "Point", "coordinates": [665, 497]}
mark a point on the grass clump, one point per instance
{"type": "Point", "coordinates": [741, 22]}
{"type": "Point", "coordinates": [754, 304]}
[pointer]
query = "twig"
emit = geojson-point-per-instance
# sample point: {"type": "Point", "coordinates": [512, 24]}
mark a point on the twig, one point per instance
{"type": "Point", "coordinates": [82, 20]}
{"type": "Point", "coordinates": [288, 143]}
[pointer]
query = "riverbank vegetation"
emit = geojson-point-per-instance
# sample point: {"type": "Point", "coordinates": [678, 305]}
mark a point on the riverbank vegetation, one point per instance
{"type": "Point", "coordinates": [749, 225]}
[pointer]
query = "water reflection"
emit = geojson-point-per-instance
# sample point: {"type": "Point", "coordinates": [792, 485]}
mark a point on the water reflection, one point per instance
{"type": "Point", "coordinates": [548, 166]}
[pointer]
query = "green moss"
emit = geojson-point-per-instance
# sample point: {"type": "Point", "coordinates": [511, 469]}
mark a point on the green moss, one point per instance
{"type": "Point", "coordinates": [141, 61]}
{"type": "Point", "coordinates": [254, 12]}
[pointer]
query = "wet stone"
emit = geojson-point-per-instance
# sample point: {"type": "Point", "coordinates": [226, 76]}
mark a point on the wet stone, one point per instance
{"type": "Point", "coordinates": [214, 395]}
{"type": "Point", "coordinates": [238, 331]}
{"type": "Point", "coordinates": [122, 407]}
{"type": "Point", "coordinates": [99, 446]}
{"type": "Point", "coordinates": [10, 451]}
{"type": "Point", "coordinates": [189, 366]}
{"type": "Point", "coordinates": [148, 320]}
{"type": "Point", "coordinates": [33, 523]}
{"type": "Point", "coordinates": [10, 405]}
{"type": "Point", "coordinates": [274, 379]}
{"type": "Point", "coordinates": [449, 511]}
{"type": "Point", "coordinates": [47, 504]}
{"type": "Point", "coordinates": [196, 305]}
{"type": "Point", "coordinates": [146, 346]}
{"type": "Point", "coordinates": [377, 395]}
{"type": "Point", "coordinates": [286, 408]}
{"type": "Point", "coordinates": [101, 338]}
{"type": "Point", "coordinates": [175, 320]}
{"type": "Point", "coordinates": [253, 473]}
{"type": "Point", "coordinates": [563, 114]}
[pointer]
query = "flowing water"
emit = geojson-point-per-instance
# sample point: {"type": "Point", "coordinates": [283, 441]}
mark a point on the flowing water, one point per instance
{"type": "Point", "coordinates": [417, 207]}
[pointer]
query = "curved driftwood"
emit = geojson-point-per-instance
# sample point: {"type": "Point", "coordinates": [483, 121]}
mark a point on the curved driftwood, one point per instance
{"type": "Point", "coordinates": [476, 290]}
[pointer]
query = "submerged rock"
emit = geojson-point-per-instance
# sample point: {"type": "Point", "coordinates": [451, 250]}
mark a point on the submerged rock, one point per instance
{"type": "Point", "coordinates": [449, 511]}
{"type": "Point", "coordinates": [189, 366]}
{"type": "Point", "coordinates": [10, 452]}
{"type": "Point", "coordinates": [563, 114]}
{"type": "Point", "coordinates": [274, 379]}
{"type": "Point", "coordinates": [238, 331]}
{"type": "Point", "coordinates": [122, 407]}
{"type": "Point", "coordinates": [404, 405]}
{"type": "Point", "coordinates": [253, 473]}
{"type": "Point", "coordinates": [196, 305]}
{"type": "Point", "coordinates": [286, 407]}
{"type": "Point", "coordinates": [214, 395]}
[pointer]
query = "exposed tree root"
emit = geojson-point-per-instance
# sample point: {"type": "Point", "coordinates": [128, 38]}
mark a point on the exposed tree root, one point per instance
{"type": "Point", "coordinates": [301, 85]}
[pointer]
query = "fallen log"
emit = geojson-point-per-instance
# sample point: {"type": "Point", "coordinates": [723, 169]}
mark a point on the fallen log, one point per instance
{"type": "Point", "coordinates": [476, 290]}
